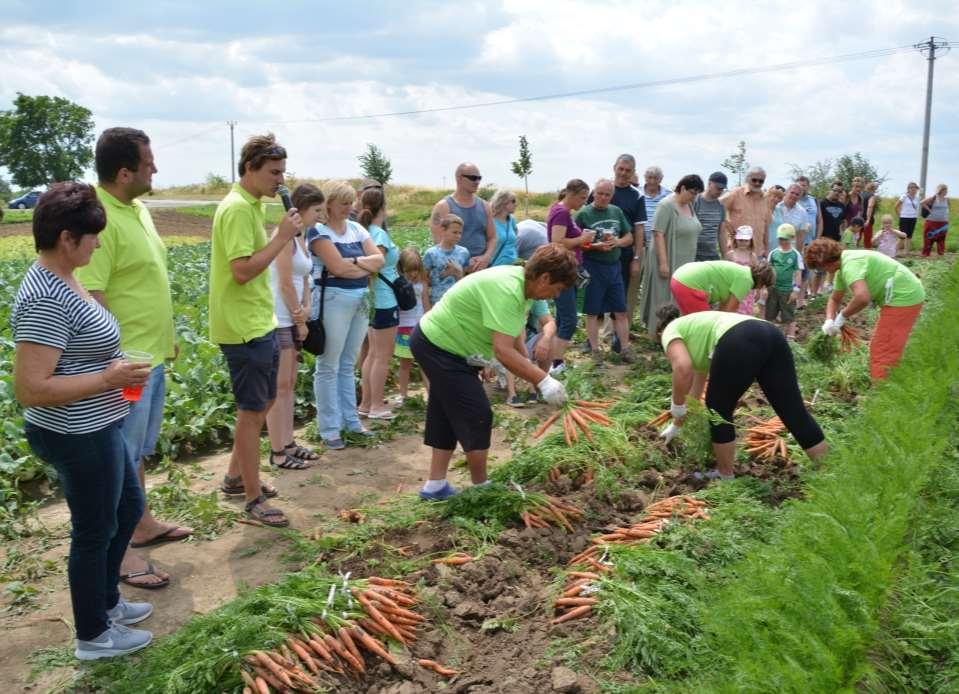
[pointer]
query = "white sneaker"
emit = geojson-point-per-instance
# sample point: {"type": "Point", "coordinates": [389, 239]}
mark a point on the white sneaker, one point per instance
{"type": "Point", "coordinates": [127, 613]}
{"type": "Point", "coordinates": [117, 640]}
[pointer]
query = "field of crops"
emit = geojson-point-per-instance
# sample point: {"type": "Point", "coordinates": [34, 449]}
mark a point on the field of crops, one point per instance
{"type": "Point", "coordinates": [598, 564]}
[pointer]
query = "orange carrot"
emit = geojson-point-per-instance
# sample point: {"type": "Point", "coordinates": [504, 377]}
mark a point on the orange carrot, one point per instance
{"type": "Point", "coordinates": [374, 646]}
{"type": "Point", "coordinates": [591, 404]}
{"type": "Point", "coordinates": [576, 601]}
{"type": "Point", "coordinates": [378, 617]}
{"type": "Point", "coordinates": [584, 574]}
{"type": "Point", "coordinates": [542, 428]}
{"type": "Point", "coordinates": [578, 419]}
{"type": "Point", "coordinates": [436, 667]}
{"type": "Point", "coordinates": [573, 434]}
{"type": "Point", "coordinates": [347, 640]}
{"type": "Point", "coordinates": [303, 655]}
{"type": "Point", "coordinates": [266, 661]}
{"type": "Point", "coordinates": [566, 431]}
{"type": "Point", "coordinates": [261, 686]}
{"type": "Point", "coordinates": [388, 582]}
{"type": "Point", "coordinates": [574, 613]}
{"type": "Point", "coordinates": [453, 561]}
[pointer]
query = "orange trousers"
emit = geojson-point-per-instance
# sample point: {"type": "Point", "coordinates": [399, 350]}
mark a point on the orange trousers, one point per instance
{"type": "Point", "coordinates": [890, 337]}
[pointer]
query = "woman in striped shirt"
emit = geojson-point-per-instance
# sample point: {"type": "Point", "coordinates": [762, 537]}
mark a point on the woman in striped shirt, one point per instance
{"type": "Point", "coordinates": [69, 374]}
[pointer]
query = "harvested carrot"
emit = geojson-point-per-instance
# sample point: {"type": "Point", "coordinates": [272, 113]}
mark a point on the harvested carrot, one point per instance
{"type": "Point", "coordinates": [436, 667]}
{"type": "Point", "coordinates": [267, 662]}
{"type": "Point", "coordinates": [378, 617]}
{"type": "Point", "coordinates": [261, 685]}
{"type": "Point", "coordinates": [373, 646]}
{"type": "Point", "coordinates": [578, 419]}
{"type": "Point", "coordinates": [576, 602]}
{"type": "Point", "coordinates": [542, 428]}
{"type": "Point", "coordinates": [574, 613]}
{"type": "Point", "coordinates": [573, 434]}
{"type": "Point", "coordinates": [591, 404]}
{"type": "Point", "coordinates": [455, 560]}
{"type": "Point", "coordinates": [304, 656]}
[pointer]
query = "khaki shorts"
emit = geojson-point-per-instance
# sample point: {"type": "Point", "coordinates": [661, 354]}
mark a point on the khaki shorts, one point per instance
{"type": "Point", "coordinates": [777, 303]}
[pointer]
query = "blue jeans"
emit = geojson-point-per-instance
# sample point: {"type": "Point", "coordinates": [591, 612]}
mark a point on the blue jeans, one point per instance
{"type": "Point", "coordinates": [345, 319]}
{"type": "Point", "coordinates": [99, 480]}
{"type": "Point", "coordinates": [141, 426]}
{"type": "Point", "coordinates": [566, 313]}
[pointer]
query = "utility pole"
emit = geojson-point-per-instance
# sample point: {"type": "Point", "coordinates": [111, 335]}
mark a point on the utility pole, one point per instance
{"type": "Point", "coordinates": [928, 49]}
{"type": "Point", "coordinates": [232, 124]}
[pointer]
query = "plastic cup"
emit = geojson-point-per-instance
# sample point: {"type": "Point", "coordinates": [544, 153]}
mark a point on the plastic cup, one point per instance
{"type": "Point", "coordinates": [133, 393]}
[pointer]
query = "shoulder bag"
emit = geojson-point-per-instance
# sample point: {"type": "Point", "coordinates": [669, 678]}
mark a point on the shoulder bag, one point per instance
{"type": "Point", "coordinates": [315, 342]}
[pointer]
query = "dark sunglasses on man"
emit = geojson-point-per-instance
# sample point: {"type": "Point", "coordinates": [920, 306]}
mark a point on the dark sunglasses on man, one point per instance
{"type": "Point", "coordinates": [475, 178]}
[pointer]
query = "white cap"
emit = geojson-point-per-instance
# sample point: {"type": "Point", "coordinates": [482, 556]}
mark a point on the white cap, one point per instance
{"type": "Point", "coordinates": [744, 233]}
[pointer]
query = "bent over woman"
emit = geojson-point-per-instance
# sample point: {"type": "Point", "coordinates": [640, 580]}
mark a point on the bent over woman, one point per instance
{"type": "Point", "coordinates": [735, 350]}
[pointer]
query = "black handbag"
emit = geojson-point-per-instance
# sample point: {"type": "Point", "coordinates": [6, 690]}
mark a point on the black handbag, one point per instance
{"type": "Point", "coordinates": [315, 341]}
{"type": "Point", "coordinates": [926, 211]}
{"type": "Point", "coordinates": [403, 291]}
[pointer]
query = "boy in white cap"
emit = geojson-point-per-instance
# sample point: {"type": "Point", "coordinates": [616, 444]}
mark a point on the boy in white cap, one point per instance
{"type": "Point", "coordinates": [783, 296]}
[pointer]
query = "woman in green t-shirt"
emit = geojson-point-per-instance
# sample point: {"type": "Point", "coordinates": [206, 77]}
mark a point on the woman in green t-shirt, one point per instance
{"type": "Point", "coordinates": [735, 350]}
{"type": "Point", "coordinates": [870, 276]}
{"type": "Point", "coordinates": [482, 316]}
{"type": "Point", "coordinates": [697, 285]}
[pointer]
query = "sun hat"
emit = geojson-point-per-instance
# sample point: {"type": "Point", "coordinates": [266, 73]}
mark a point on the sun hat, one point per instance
{"type": "Point", "coordinates": [786, 231]}
{"type": "Point", "coordinates": [744, 233]}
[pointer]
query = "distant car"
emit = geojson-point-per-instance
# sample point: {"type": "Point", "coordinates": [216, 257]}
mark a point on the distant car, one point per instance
{"type": "Point", "coordinates": [25, 201]}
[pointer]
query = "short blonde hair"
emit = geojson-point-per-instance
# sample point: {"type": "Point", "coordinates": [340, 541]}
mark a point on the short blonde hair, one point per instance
{"type": "Point", "coordinates": [500, 200]}
{"type": "Point", "coordinates": [451, 219]}
{"type": "Point", "coordinates": [884, 218]}
{"type": "Point", "coordinates": [336, 191]}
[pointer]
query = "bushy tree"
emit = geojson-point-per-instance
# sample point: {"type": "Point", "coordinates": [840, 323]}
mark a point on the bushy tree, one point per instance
{"type": "Point", "coordinates": [375, 164]}
{"type": "Point", "coordinates": [736, 163]}
{"type": "Point", "coordinates": [45, 139]}
{"type": "Point", "coordinates": [523, 166]}
{"type": "Point", "coordinates": [821, 174]}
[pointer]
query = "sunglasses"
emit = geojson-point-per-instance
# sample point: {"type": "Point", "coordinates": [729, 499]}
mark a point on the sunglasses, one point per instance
{"type": "Point", "coordinates": [475, 178]}
{"type": "Point", "coordinates": [758, 180]}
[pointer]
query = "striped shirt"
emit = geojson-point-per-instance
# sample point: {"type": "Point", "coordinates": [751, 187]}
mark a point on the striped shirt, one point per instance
{"type": "Point", "coordinates": [48, 312]}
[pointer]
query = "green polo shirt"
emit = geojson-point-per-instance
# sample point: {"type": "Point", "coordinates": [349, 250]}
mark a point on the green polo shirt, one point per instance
{"type": "Point", "coordinates": [718, 278]}
{"type": "Point", "coordinates": [238, 312]}
{"type": "Point", "coordinates": [700, 332]}
{"type": "Point", "coordinates": [478, 305]}
{"type": "Point", "coordinates": [130, 269]}
{"type": "Point", "coordinates": [890, 282]}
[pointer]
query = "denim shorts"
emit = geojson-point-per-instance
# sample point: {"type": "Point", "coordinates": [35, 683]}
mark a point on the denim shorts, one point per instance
{"type": "Point", "coordinates": [253, 366]}
{"type": "Point", "coordinates": [566, 315]}
{"type": "Point", "coordinates": [141, 426]}
{"type": "Point", "coordinates": [384, 318]}
{"type": "Point", "coordinates": [605, 292]}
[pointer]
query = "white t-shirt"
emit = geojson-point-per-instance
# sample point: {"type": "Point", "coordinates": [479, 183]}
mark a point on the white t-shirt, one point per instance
{"type": "Point", "coordinates": [302, 265]}
{"type": "Point", "coordinates": [909, 209]}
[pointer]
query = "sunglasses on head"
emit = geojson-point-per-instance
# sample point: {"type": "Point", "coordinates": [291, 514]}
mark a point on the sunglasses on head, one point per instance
{"type": "Point", "coordinates": [476, 178]}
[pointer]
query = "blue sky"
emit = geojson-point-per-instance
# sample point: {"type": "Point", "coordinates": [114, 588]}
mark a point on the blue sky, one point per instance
{"type": "Point", "coordinates": [180, 69]}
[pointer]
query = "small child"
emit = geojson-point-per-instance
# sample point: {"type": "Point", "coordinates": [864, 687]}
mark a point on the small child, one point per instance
{"type": "Point", "coordinates": [788, 264]}
{"type": "Point", "coordinates": [445, 262]}
{"type": "Point", "coordinates": [743, 254]}
{"type": "Point", "coordinates": [888, 239]}
{"type": "Point", "coordinates": [853, 233]}
{"type": "Point", "coordinates": [410, 265]}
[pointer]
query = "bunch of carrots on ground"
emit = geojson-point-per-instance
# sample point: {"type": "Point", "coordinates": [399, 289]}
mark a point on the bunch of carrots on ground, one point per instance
{"type": "Point", "coordinates": [583, 582]}
{"type": "Point", "coordinates": [764, 441]}
{"type": "Point", "coordinates": [360, 617]}
{"type": "Point", "coordinates": [543, 510]}
{"type": "Point", "coordinates": [576, 416]}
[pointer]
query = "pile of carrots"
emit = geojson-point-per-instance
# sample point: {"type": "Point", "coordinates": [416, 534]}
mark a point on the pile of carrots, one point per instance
{"type": "Point", "coordinates": [764, 441]}
{"type": "Point", "coordinates": [577, 417]}
{"type": "Point", "coordinates": [361, 616]}
{"type": "Point", "coordinates": [543, 510]}
{"type": "Point", "coordinates": [578, 597]}
{"type": "Point", "coordinates": [586, 478]}
{"type": "Point", "coordinates": [849, 338]}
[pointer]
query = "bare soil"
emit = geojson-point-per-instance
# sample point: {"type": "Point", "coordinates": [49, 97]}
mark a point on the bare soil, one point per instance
{"type": "Point", "coordinates": [168, 223]}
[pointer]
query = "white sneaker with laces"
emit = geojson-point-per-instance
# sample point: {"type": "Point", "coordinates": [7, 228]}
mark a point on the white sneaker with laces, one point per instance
{"type": "Point", "coordinates": [127, 613]}
{"type": "Point", "coordinates": [117, 640]}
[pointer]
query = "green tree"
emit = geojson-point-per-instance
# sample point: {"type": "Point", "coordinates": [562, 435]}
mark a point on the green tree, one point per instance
{"type": "Point", "coordinates": [523, 167]}
{"type": "Point", "coordinates": [375, 165]}
{"type": "Point", "coordinates": [822, 173]}
{"type": "Point", "coordinates": [736, 163]}
{"type": "Point", "coordinates": [45, 139]}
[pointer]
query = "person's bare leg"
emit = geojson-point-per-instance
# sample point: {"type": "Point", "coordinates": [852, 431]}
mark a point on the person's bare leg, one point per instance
{"type": "Point", "coordinates": [148, 528]}
{"type": "Point", "coordinates": [510, 385]}
{"type": "Point", "coordinates": [476, 460]}
{"type": "Point", "coordinates": [279, 418]}
{"type": "Point", "coordinates": [245, 460]}
{"type": "Point", "coordinates": [440, 463]}
{"type": "Point", "coordinates": [621, 324]}
{"type": "Point", "coordinates": [403, 376]}
{"type": "Point", "coordinates": [366, 369]}
{"type": "Point", "coordinates": [592, 332]}
{"type": "Point", "coordinates": [725, 454]}
{"type": "Point", "coordinates": [382, 343]}
{"type": "Point", "coordinates": [818, 451]}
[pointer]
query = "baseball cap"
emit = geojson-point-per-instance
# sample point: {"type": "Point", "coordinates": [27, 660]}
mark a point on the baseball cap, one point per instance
{"type": "Point", "coordinates": [720, 178]}
{"type": "Point", "coordinates": [744, 233]}
{"type": "Point", "coordinates": [786, 231]}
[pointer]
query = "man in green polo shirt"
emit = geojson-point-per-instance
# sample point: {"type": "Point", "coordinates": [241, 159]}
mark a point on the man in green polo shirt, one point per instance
{"type": "Point", "coordinates": [128, 275]}
{"type": "Point", "coordinates": [241, 312]}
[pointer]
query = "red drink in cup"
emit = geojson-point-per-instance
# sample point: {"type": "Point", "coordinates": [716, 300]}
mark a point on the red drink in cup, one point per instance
{"type": "Point", "coordinates": [133, 393]}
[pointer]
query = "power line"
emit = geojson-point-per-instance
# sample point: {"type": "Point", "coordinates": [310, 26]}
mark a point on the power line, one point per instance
{"type": "Point", "coordinates": [863, 55]}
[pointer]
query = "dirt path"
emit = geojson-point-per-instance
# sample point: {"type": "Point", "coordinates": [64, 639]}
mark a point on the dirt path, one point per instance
{"type": "Point", "coordinates": [207, 574]}
{"type": "Point", "coordinates": [168, 223]}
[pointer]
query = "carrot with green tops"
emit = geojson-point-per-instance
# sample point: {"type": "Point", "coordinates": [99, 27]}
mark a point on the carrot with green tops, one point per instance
{"type": "Point", "coordinates": [374, 646]}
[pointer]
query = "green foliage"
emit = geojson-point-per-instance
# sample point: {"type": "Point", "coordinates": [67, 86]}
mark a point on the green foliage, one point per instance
{"type": "Point", "coordinates": [736, 163]}
{"type": "Point", "coordinates": [822, 173]}
{"type": "Point", "coordinates": [822, 347]}
{"type": "Point", "coordinates": [16, 217]}
{"type": "Point", "coordinates": [374, 164]}
{"type": "Point", "coordinates": [816, 591]}
{"type": "Point", "coordinates": [45, 139]}
{"type": "Point", "coordinates": [523, 166]}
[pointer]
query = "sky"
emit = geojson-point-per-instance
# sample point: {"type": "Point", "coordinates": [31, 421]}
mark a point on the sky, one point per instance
{"type": "Point", "coordinates": [181, 69]}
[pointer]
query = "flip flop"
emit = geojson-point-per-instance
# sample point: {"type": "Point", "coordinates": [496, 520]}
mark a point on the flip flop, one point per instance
{"type": "Point", "coordinates": [162, 538]}
{"type": "Point", "coordinates": [150, 571]}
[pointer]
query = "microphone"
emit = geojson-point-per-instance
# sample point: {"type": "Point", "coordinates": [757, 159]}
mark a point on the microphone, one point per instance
{"type": "Point", "coordinates": [284, 194]}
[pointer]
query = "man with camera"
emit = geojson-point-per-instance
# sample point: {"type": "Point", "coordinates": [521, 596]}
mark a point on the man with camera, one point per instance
{"type": "Point", "coordinates": [606, 291]}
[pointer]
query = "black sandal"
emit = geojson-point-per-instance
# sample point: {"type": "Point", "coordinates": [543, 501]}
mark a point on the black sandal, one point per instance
{"type": "Point", "coordinates": [289, 462]}
{"type": "Point", "coordinates": [272, 517]}
{"type": "Point", "coordinates": [233, 486]}
{"type": "Point", "coordinates": [300, 452]}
